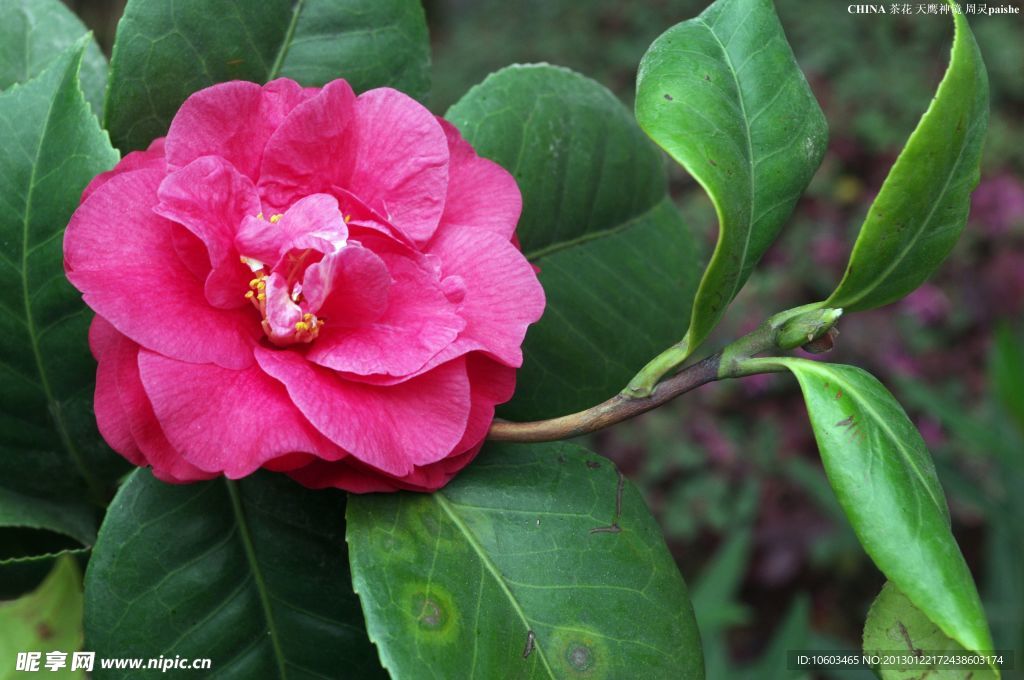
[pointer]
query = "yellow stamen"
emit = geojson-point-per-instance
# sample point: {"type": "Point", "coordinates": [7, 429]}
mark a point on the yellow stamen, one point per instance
{"type": "Point", "coordinates": [301, 326]}
{"type": "Point", "coordinates": [260, 216]}
{"type": "Point", "coordinates": [261, 297]}
{"type": "Point", "coordinates": [249, 295]}
{"type": "Point", "coordinates": [348, 218]}
{"type": "Point", "coordinates": [261, 284]}
{"type": "Point", "coordinates": [253, 283]}
{"type": "Point", "coordinates": [274, 219]}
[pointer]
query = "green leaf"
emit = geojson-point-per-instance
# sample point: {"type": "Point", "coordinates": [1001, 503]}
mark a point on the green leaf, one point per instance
{"type": "Point", "coordinates": [617, 264]}
{"type": "Point", "coordinates": [53, 146]}
{"type": "Point", "coordinates": [48, 619]}
{"type": "Point", "coordinates": [922, 207]}
{"type": "Point", "coordinates": [250, 574]}
{"type": "Point", "coordinates": [34, 32]}
{"type": "Point", "coordinates": [723, 95]}
{"type": "Point", "coordinates": [538, 561]}
{"type": "Point", "coordinates": [896, 627]}
{"type": "Point", "coordinates": [17, 510]}
{"type": "Point", "coordinates": [792, 632]}
{"type": "Point", "coordinates": [715, 597]}
{"type": "Point", "coordinates": [1006, 371]}
{"type": "Point", "coordinates": [34, 534]}
{"type": "Point", "coordinates": [165, 51]}
{"type": "Point", "coordinates": [885, 481]}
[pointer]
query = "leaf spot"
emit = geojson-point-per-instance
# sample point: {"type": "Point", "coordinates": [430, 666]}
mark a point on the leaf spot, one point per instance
{"type": "Point", "coordinates": [428, 612]}
{"type": "Point", "coordinates": [579, 656]}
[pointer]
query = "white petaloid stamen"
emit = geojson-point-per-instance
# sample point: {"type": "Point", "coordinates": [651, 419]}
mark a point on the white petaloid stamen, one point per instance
{"type": "Point", "coordinates": [252, 263]}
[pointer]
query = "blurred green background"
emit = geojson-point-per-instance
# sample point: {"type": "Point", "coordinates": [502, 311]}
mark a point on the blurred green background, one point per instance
{"type": "Point", "coordinates": [731, 471]}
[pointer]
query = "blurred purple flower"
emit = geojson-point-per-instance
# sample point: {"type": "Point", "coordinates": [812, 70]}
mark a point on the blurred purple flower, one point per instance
{"type": "Point", "coordinates": [932, 432]}
{"type": "Point", "coordinates": [928, 304]}
{"type": "Point", "coordinates": [899, 362]}
{"type": "Point", "coordinates": [998, 204]}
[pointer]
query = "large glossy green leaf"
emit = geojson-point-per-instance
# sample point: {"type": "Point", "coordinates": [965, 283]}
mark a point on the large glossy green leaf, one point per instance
{"type": "Point", "coordinates": [167, 49]}
{"type": "Point", "coordinates": [36, 513]}
{"type": "Point", "coordinates": [250, 574]}
{"type": "Point", "coordinates": [52, 147]}
{"type": "Point", "coordinates": [723, 95]}
{"type": "Point", "coordinates": [617, 264]}
{"type": "Point", "coordinates": [45, 620]}
{"type": "Point", "coordinates": [34, 534]}
{"type": "Point", "coordinates": [538, 561]}
{"type": "Point", "coordinates": [898, 629]}
{"type": "Point", "coordinates": [34, 32]}
{"type": "Point", "coordinates": [885, 481]}
{"type": "Point", "coordinates": [922, 207]}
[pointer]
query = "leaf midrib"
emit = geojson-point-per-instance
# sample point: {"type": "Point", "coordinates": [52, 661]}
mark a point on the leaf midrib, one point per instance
{"type": "Point", "coordinates": [865, 405]}
{"type": "Point", "coordinates": [485, 559]}
{"type": "Point", "coordinates": [553, 248]}
{"type": "Point", "coordinates": [53, 405]}
{"type": "Point", "coordinates": [898, 260]}
{"type": "Point", "coordinates": [257, 574]}
{"type": "Point", "coordinates": [286, 43]}
{"type": "Point", "coordinates": [750, 154]}
{"type": "Point", "coordinates": [974, 56]}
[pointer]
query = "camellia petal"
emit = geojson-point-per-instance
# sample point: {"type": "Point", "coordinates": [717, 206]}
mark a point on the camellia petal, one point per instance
{"type": "Point", "coordinates": [496, 316]}
{"type": "Point", "coordinates": [232, 120]}
{"type": "Point", "coordinates": [481, 193]}
{"type": "Point", "coordinates": [243, 418]}
{"type": "Point", "coordinates": [119, 390]}
{"type": "Point", "coordinates": [111, 419]}
{"type": "Point", "coordinates": [492, 383]}
{"type": "Point", "coordinates": [312, 150]}
{"type": "Point", "coordinates": [313, 221]}
{"type": "Point", "coordinates": [418, 323]}
{"type": "Point", "coordinates": [121, 255]}
{"type": "Point", "coordinates": [389, 428]}
{"type": "Point", "coordinates": [210, 198]}
{"type": "Point", "coordinates": [402, 162]}
{"type": "Point", "coordinates": [348, 288]}
{"type": "Point", "coordinates": [152, 159]}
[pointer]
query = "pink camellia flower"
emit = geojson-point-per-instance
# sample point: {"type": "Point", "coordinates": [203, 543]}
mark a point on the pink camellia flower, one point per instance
{"type": "Point", "coordinates": [306, 281]}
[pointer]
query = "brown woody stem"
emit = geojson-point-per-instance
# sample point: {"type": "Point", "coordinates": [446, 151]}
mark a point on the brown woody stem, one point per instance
{"type": "Point", "coordinates": [783, 331]}
{"type": "Point", "coordinates": [615, 410]}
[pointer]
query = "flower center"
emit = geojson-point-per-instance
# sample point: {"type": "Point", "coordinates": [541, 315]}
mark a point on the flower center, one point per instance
{"type": "Point", "coordinates": [278, 316]}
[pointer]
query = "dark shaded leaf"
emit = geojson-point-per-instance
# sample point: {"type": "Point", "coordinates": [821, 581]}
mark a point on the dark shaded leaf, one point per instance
{"type": "Point", "coordinates": [250, 574]}
{"type": "Point", "coordinates": [538, 561]}
{"type": "Point", "coordinates": [35, 32]}
{"type": "Point", "coordinates": [617, 264]}
{"type": "Point", "coordinates": [167, 49]}
{"type": "Point", "coordinates": [49, 446]}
